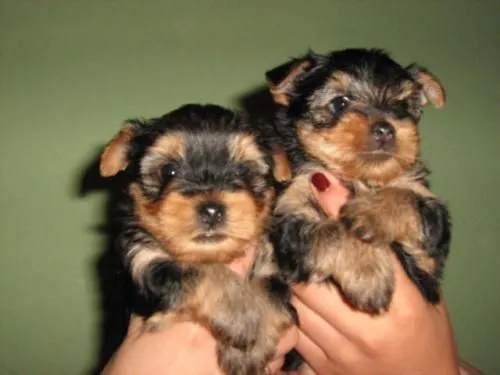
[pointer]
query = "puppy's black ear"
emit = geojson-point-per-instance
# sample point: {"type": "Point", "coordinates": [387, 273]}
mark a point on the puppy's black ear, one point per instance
{"type": "Point", "coordinates": [432, 89]}
{"type": "Point", "coordinates": [282, 78]}
{"type": "Point", "coordinates": [282, 171]}
{"type": "Point", "coordinates": [114, 157]}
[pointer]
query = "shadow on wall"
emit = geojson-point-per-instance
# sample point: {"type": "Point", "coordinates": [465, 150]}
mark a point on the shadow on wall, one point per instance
{"type": "Point", "coordinates": [113, 282]}
{"type": "Point", "coordinates": [117, 299]}
{"type": "Point", "coordinates": [258, 103]}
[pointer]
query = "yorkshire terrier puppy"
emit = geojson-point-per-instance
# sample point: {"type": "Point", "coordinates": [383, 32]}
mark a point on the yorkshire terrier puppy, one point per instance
{"type": "Point", "coordinates": [355, 113]}
{"type": "Point", "coordinates": [200, 190]}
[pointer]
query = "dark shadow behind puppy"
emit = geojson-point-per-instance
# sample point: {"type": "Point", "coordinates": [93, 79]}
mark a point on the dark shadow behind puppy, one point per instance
{"type": "Point", "coordinates": [114, 284]}
{"type": "Point", "coordinates": [259, 104]}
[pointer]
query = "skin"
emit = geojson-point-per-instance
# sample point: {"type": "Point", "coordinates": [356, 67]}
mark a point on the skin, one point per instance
{"type": "Point", "coordinates": [412, 338]}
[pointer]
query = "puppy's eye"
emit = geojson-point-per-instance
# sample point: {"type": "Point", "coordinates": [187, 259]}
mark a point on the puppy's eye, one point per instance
{"type": "Point", "coordinates": [339, 103]}
{"type": "Point", "coordinates": [168, 172]}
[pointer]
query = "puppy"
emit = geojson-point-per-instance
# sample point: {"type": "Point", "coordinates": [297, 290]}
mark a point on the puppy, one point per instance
{"type": "Point", "coordinates": [200, 190]}
{"type": "Point", "coordinates": [355, 112]}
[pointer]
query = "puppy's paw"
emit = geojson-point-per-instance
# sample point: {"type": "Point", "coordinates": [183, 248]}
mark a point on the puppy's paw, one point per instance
{"type": "Point", "coordinates": [251, 315]}
{"type": "Point", "coordinates": [368, 290]}
{"type": "Point", "coordinates": [253, 359]}
{"type": "Point", "coordinates": [363, 219]}
{"type": "Point", "coordinates": [367, 282]}
{"type": "Point", "coordinates": [237, 324]}
{"type": "Point", "coordinates": [236, 361]}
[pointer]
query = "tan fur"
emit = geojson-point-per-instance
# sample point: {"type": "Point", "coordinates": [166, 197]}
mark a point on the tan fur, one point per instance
{"type": "Point", "coordinates": [340, 81]}
{"type": "Point", "coordinates": [384, 216]}
{"type": "Point", "coordinates": [264, 266]}
{"type": "Point", "coordinates": [432, 89]}
{"type": "Point", "coordinates": [380, 215]}
{"type": "Point", "coordinates": [387, 215]}
{"type": "Point", "coordinates": [114, 155]}
{"type": "Point", "coordinates": [362, 271]}
{"type": "Point", "coordinates": [171, 145]}
{"type": "Point", "coordinates": [243, 148]}
{"type": "Point", "coordinates": [140, 259]}
{"type": "Point", "coordinates": [406, 90]}
{"type": "Point", "coordinates": [343, 148]}
{"type": "Point", "coordinates": [282, 170]}
{"type": "Point", "coordinates": [336, 146]}
{"type": "Point", "coordinates": [173, 222]}
{"type": "Point", "coordinates": [281, 90]}
{"type": "Point", "coordinates": [298, 197]}
{"type": "Point", "coordinates": [240, 315]}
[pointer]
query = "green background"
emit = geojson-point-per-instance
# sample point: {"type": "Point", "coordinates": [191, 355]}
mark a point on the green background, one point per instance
{"type": "Point", "coordinates": [71, 71]}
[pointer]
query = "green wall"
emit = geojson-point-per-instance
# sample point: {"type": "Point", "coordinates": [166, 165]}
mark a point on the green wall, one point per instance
{"type": "Point", "coordinates": [71, 71]}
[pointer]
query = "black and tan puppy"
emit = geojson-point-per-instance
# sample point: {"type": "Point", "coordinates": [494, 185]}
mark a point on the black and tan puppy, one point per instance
{"type": "Point", "coordinates": [355, 113]}
{"type": "Point", "coordinates": [200, 190]}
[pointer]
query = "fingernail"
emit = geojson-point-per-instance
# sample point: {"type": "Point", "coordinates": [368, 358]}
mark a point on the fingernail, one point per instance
{"type": "Point", "coordinates": [320, 181]}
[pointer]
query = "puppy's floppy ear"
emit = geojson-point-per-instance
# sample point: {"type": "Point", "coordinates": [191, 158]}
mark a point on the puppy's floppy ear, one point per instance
{"type": "Point", "coordinates": [432, 89]}
{"type": "Point", "coordinates": [114, 157]}
{"type": "Point", "coordinates": [282, 171]}
{"type": "Point", "coordinates": [282, 78]}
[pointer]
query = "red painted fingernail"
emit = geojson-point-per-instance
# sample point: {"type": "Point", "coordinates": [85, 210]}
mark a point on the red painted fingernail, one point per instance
{"type": "Point", "coordinates": [320, 182]}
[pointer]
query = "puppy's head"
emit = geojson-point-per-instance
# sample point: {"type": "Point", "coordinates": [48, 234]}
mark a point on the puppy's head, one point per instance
{"type": "Point", "coordinates": [200, 178]}
{"type": "Point", "coordinates": [354, 110]}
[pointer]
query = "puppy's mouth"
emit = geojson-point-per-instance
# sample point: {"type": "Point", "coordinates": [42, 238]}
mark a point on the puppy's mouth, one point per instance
{"type": "Point", "coordinates": [210, 237]}
{"type": "Point", "coordinates": [377, 156]}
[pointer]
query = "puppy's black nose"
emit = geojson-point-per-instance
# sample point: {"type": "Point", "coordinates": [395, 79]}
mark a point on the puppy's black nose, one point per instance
{"type": "Point", "coordinates": [211, 213]}
{"type": "Point", "coordinates": [382, 132]}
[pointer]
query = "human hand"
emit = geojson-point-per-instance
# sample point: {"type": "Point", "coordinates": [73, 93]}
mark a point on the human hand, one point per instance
{"type": "Point", "coordinates": [184, 348]}
{"type": "Point", "coordinates": [412, 337]}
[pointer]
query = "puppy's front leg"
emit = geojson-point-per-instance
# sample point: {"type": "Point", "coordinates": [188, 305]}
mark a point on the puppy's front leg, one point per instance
{"type": "Point", "coordinates": [410, 219]}
{"type": "Point", "coordinates": [241, 317]}
{"type": "Point", "coordinates": [383, 216]}
{"type": "Point", "coordinates": [363, 271]}
{"type": "Point", "coordinates": [311, 247]}
{"type": "Point", "coordinates": [322, 251]}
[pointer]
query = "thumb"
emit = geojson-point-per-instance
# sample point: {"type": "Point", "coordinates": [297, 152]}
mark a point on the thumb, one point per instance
{"type": "Point", "coordinates": [243, 265]}
{"type": "Point", "coordinates": [329, 192]}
